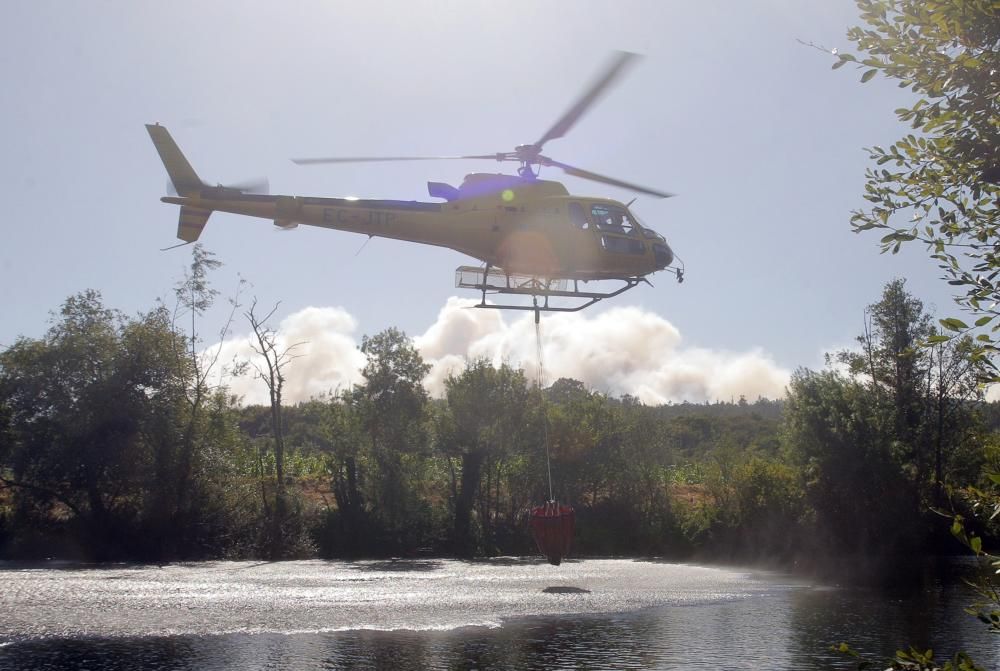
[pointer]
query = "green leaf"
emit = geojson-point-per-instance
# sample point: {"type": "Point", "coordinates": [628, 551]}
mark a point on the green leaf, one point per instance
{"type": "Point", "coordinates": [976, 543]}
{"type": "Point", "coordinates": [953, 324]}
{"type": "Point", "coordinates": [868, 75]}
{"type": "Point", "coordinates": [957, 529]}
{"type": "Point", "coordinates": [983, 321]}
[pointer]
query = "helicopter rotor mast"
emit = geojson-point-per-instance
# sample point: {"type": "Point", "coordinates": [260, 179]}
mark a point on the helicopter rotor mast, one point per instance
{"type": "Point", "coordinates": [530, 155]}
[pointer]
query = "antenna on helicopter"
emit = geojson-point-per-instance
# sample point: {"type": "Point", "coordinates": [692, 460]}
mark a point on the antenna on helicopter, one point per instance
{"type": "Point", "coordinates": [363, 245]}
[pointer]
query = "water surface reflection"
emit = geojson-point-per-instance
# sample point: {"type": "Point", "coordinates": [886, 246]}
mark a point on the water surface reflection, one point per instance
{"type": "Point", "coordinates": [733, 620]}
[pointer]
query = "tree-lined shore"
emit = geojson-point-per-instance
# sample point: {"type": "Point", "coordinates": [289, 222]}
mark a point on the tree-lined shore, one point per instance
{"type": "Point", "coordinates": [116, 445]}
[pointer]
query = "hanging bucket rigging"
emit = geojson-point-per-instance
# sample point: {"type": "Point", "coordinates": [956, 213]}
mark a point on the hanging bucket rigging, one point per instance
{"type": "Point", "coordinates": [552, 523]}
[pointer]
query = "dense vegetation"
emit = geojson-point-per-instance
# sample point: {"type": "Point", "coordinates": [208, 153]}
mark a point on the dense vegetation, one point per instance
{"type": "Point", "coordinates": [116, 445]}
{"type": "Point", "coordinates": [940, 185]}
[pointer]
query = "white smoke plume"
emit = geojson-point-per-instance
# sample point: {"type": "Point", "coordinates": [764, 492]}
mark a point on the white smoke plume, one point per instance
{"type": "Point", "coordinates": [621, 351]}
{"type": "Point", "coordinates": [326, 356]}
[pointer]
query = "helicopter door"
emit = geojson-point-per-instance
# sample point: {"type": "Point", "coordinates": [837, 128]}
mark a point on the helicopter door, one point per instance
{"type": "Point", "coordinates": [581, 248]}
{"type": "Point", "coordinates": [616, 235]}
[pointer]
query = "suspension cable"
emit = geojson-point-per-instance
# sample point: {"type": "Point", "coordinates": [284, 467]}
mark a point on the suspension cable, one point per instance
{"type": "Point", "coordinates": [541, 396]}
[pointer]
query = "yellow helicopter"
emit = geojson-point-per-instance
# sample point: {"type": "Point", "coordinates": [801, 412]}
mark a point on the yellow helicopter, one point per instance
{"type": "Point", "coordinates": [533, 237]}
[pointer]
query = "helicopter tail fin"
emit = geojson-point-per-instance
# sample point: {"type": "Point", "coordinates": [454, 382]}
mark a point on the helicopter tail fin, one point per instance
{"type": "Point", "coordinates": [185, 180]}
{"type": "Point", "coordinates": [191, 223]}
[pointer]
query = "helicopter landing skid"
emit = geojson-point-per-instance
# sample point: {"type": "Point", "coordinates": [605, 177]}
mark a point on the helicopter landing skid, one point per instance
{"type": "Point", "coordinates": [495, 281]}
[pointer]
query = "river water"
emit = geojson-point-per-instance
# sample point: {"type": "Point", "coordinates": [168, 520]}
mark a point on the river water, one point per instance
{"type": "Point", "coordinates": [449, 614]}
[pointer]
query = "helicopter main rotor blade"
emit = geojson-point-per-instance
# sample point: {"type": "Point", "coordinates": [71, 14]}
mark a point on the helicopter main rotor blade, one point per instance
{"type": "Point", "coordinates": [567, 121]}
{"type": "Point", "coordinates": [594, 177]}
{"type": "Point", "coordinates": [372, 159]}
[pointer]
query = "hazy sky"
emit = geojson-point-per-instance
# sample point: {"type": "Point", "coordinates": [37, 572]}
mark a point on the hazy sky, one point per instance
{"type": "Point", "coordinates": [760, 139]}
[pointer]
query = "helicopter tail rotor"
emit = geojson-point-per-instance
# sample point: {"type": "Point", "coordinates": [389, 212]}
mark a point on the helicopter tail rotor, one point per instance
{"type": "Point", "coordinates": [259, 185]}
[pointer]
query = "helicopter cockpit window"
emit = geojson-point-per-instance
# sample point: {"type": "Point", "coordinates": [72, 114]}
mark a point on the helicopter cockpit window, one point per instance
{"type": "Point", "coordinates": [577, 216]}
{"type": "Point", "coordinates": [611, 218]}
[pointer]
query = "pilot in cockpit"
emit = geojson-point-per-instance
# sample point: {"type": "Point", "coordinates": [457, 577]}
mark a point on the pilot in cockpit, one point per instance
{"type": "Point", "coordinates": [617, 222]}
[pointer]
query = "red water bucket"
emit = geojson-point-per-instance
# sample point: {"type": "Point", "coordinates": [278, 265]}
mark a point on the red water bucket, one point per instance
{"type": "Point", "coordinates": [552, 529]}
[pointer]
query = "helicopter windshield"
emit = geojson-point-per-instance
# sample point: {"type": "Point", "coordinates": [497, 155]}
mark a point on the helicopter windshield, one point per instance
{"type": "Point", "coordinates": [647, 232]}
{"type": "Point", "coordinates": [611, 218]}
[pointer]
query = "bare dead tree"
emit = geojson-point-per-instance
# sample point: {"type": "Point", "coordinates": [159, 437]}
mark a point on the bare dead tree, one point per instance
{"type": "Point", "coordinates": [276, 358]}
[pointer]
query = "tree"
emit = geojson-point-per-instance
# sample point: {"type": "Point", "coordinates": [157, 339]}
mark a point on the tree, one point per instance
{"type": "Point", "coordinates": [81, 403]}
{"type": "Point", "coordinates": [895, 366]}
{"type": "Point", "coordinates": [194, 295]}
{"type": "Point", "coordinates": [276, 358]}
{"type": "Point", "coordinates": [896, 421]}
{"type": "Point", "coordinates": [332, 427]}
{"type": "Point", "coordinates": [944, 185]}
{"type": "Point", "coordinates": [953, 427]}
{"type": "Point", "coordinates": [393, 390]}
{"type": "Point", "coordinates": [768, 498]}
{"type": "Point", "coordinates": [392, 404]}
{"type": "Point", "coordinates": [924, 394]}
{"type": "Point", "coordinates": [488, 412]}
{"type": "Point", "coordinates": [857, 489]}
